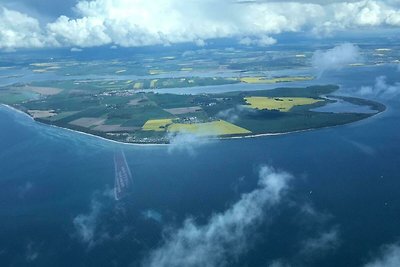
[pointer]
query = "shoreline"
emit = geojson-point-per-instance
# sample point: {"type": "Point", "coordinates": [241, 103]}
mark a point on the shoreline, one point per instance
{"type": "Point", "coordinates": [78, 132]}
{"type": "Point", "coordinates": [167, 144]}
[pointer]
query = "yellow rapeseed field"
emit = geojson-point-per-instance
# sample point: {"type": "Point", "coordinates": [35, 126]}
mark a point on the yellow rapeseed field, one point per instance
{"type": "Point", "coordinates": [256, 80]}
{"type": "Point", "coordinates": [214, 128]}
{"type": "Point", "coordinates": [156, 125]}
{"type": "Point", "coordinates": [138, 86]}
{"type": "Point", "coordinates": [284, 104]}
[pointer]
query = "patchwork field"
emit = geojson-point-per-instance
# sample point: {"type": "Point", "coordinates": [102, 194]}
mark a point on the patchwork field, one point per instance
{"type": "Point", "coordinates": [114, 110]}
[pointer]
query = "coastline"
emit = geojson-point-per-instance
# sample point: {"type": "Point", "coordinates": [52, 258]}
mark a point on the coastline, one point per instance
{"type": "Point", "coordinates": [167, 144]}
{"type": "Point", "coordinates": [78, 132]}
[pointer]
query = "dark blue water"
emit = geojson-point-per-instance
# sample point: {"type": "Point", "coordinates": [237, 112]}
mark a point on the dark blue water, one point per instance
{"type": "Point", "coordinates": [54, 183]}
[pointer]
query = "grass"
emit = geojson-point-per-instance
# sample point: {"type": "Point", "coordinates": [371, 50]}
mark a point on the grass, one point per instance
{"type": "Point", "coordinates": [156, 125]}
{"type": "Point", "coordinates": [217, 128]}
{"type": "Point", "coordinates": [284, 104]}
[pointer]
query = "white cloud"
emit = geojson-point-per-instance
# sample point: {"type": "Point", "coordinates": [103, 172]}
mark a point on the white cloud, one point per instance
{"type": "Point", "coordinates": [18, 30]}
{"type": "Point", "coordinates": [74, 49]}
{"type": "Point", "coordinates": [226, 234]}
{"type": "Point", "coordinates": [390, 257]}
{"type": "Point", "coordinates": [381, 89]}
{"type": "Point", "coordinates": [335, 58]}
{"type": "Point", "coordinates": [261, 41]}
{"type": "Point", "coordinates": [325, 241]}
{"type": "Point", "coordinates": [85, 224]}
{"type": "Point", "coordinates": [232, 114]}
{"type": "Point", "coordinates": [87, 31]}
{"type": "Point", "coordinates": [279, 263]}
{"type": "Point", "coordinates": [186, 142]}
{"type": "Point", "coordinates": [152, 215]}
{"type": "Point", "coordinates": [31, 252]}
{"type": "Point", "coordinates": [142, 22]}
{"type": "Point", "coordinates": [200, 42]}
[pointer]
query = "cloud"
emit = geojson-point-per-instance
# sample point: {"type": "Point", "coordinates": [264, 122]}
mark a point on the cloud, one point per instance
{"type": "Point", "coordinates": [31, 252]}
{"type": "Point", "coordinates": [323, 242]}
{"type": "Point", "coordinates": [261, 41]}
{"type": "Point", "coordinates": [381, 89]}
{"type": "Point", "coordinates": [390, 257]}
{"type": "Point", "coordinates": [87, 224]}
{"type": "Point", "coordinates": [279, 263]}
{"type": "Point", "coordinates": [152, 215]}
{"type": "Point", "coordinates": [225, 235]}
{"type": "Point", "coordinates": [164, 22]}
{"type": "Point", "coordinates": [200, 42]}
{"type": "Point", "coordinates": [186, 142]}
{"type": "Point", "coordinates": [233, 114]}
{"type": "Point", "coordinates": [18, 30]}
{"type": "Point", "coordinates": [335, 58]}
{"type": "Point", "coordinates": [74, 49]}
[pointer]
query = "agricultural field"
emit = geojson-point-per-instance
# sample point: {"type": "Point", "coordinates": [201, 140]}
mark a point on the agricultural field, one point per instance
{"type": "Point", "coordinates": [214, 128]}
{"type": "Point", "coordinates": [157, 125]}
{"type": "Point", "coordinates": [261, 80]}
{"type": "Point", "coordinates": [284, 104]}
{"type": "Point", "coordinates": [117, 111]}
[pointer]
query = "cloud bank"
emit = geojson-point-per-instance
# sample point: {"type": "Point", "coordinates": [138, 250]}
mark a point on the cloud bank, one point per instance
{"type": "Point", "coordinates": [225, 236]}
{"type": "Point", "coordinates": [130, 23]}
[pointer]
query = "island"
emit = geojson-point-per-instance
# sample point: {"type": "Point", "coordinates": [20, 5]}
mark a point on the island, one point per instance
{"type": "Point", "coordinates": [131, 114]}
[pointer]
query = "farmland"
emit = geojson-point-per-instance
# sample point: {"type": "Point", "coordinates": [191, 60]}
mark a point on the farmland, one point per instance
{"type": "Point", "coordinates": [265, 80]}
{"type": "Point", "coordinates": [214, 128]}
{"type": "Point", "coordinates": [284, 104]}
{"type": "Point", "coordinates": [118, 111]}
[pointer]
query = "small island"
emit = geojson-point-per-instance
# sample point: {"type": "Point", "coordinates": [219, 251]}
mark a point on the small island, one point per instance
{"type": "Point", "coordinates": [134, 115]}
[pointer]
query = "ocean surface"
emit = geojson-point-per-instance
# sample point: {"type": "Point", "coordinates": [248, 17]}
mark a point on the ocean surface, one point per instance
{"type": "Point", "coordinates": [341, 207]}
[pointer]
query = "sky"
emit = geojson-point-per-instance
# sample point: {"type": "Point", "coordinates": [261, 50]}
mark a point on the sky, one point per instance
{"type": "Point", "coordinates": [135, 23]}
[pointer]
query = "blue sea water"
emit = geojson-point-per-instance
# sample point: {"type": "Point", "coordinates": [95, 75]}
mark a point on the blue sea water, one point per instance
{"type": "Point", "coordinates": [56, 206]}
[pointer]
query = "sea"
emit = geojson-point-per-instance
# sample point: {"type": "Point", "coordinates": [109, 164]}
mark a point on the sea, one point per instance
{"type": "Point", "coordinates": [341, 208]}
